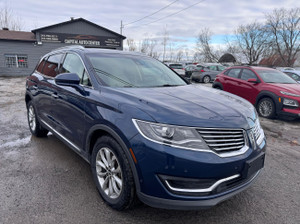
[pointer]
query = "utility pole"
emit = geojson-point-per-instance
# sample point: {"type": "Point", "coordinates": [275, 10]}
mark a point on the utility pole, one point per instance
{"type": "Point", "coordinates": [121, 27]}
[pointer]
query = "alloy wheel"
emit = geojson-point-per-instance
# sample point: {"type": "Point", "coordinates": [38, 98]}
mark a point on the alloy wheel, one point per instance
{"type": "Point", "coordinates": [31, 118]}
{"type": "Point", "coordinates": [109, 173]}
{"type": "Point", "coordinates": [265, 108]}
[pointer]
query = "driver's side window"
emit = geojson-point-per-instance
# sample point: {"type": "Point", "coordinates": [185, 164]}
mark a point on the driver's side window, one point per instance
{"type": "Point", "coordinates": [73, 64]}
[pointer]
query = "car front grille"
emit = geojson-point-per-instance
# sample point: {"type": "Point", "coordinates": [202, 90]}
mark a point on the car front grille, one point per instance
{"type": "Point", "coordinates": [223, 140]}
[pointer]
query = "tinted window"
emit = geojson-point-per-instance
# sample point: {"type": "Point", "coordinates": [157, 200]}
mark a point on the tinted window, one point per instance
{"type": "Point", "coordinates": [221, 68]}
{"type": "Point", "coordinates": [233, 72]}
{"type": "Point", "coordinates": [176, 66]}
{"type": "Point", "coordinates": [247, 74]}
{"type": "Point", "coordinates": [294, 76]}
{"type": "Point", "coordinates": [274, 76]}
{"type": "Point", "coordinates": [213, 68]}
{"type": "Point", "coordinates": [41, 65]}
{"type": "Point", "coordinates": [51, 65]}
{"type": "Point", "coordinates": [133, 71]}
{"type": "Point", "coordinates": [73, 64]}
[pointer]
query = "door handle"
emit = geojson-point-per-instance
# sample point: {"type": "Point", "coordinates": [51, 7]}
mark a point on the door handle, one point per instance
{"type": "Point", "coordinates": [54, 95]}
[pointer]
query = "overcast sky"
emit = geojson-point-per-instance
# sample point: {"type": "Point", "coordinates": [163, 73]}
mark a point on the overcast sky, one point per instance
{"type": "Point", "coordinates": [221, 16]}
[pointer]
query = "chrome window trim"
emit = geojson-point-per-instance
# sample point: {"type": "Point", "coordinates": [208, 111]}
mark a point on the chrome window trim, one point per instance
{"type": "Point", "coordinates": [222, 155]}
{"type": "Point", "coordinates": [203, 190]}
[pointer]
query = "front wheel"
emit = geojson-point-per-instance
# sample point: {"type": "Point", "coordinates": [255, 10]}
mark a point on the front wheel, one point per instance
{"type": "Point", "coordinates": [112, 174]}
{"type": "Point", "coordinates": [34, 125]}
{"type": "Point", "coordinates": [206, 79]}
{"type": "Point", "coordinates": [266, 108]}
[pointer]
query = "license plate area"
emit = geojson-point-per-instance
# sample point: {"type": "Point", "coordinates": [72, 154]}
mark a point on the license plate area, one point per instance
{"type": "Point", "coordinates": [253, 165]}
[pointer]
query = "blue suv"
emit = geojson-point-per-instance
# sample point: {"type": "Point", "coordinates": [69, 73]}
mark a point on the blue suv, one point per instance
{"type": "Point", "coordinates": [145, 131]}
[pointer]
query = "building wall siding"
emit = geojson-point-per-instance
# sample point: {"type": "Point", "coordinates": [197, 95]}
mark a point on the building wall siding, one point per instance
{"type": "Point", "coordinates": [34, 53]}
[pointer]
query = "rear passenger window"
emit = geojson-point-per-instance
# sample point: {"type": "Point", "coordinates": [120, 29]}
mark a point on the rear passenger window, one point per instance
{"type": "Point", "coordinates": [234, 73]}
{"type": "Point", "coordinates": [247, 74]}
{"type": "Point", "coordinates": [52, 64]}
{"type": "Point", "coordinates": [41, 65]}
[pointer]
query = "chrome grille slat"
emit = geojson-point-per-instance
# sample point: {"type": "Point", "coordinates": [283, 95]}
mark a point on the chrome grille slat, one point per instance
{"type": "Point", "coordinates": [222, 136]}
{"type": "Point", "coordinates": [223, 140]}
{"type": "Point", "coordinates": [219, 132]}
{"type": "Point", "coordinates": [226, 144]}
{"type": "Point", "coordinates": [228, 148]}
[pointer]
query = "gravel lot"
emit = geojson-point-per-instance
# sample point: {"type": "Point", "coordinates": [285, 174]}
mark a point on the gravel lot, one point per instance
{"type": "Point", "coordinates": [43, 181]}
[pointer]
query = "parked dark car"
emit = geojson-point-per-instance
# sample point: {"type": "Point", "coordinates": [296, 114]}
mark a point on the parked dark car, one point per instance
{"type": "Point", "coordinates": [146, 133]}
{"type": "Point", "coordinates": [207, 73]}
{"type": "Point", "coordinates": [271, 91]}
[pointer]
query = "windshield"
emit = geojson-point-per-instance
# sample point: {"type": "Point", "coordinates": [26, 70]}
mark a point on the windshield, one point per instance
{"type": "Point", "coordinates": [274, 76]}
{"type": "Point", "coordinates": [118, 70]}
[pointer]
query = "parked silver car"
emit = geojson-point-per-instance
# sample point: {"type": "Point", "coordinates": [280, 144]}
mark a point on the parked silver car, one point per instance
{"type": "Point", "coordinates": [295, 74]}
{"type": "Point", "coordinates": [207, 73]}
{"type": "Point", "coordinates": [177, 67]}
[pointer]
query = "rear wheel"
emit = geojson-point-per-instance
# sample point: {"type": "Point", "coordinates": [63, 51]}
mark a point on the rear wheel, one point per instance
{"type": "Point", "coordinates": [112, 174]}
{"type": "Point", "coordinates": [266, 108]}
{"type": "Point", "coordinates": [34, 125]}
{"type": "Point", "coordinates": [206, 79]}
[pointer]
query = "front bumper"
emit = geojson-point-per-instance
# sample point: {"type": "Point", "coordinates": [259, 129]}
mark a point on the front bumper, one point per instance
{"type": "Point", "coordinates": [196, 204]}
{"type": "Point", "coordinates": [155, 161]}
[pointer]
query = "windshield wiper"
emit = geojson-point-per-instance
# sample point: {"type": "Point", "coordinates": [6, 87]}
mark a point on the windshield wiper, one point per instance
{"type": "Point", "coordinates": [127, 84]}
{"type": "Point", "coordinates": [169, 85]}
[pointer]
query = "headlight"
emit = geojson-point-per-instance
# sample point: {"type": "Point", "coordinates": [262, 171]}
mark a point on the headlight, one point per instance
{"type": "Point", "coordinates": [290, 102]}
{"type": "Point", "coordinates": [176, 136]}
{"type": "Point", "coordinates": [289, 94]}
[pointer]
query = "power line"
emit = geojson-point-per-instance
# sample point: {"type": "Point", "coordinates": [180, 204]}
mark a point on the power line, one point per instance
{"type": "Point", "coordinates": [172, 14]}
{"type": "Point", "coordinates": [151, 13]}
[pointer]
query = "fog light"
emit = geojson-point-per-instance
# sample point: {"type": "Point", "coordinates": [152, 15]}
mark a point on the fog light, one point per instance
{"type": "Point", "coordinates": [290, 102]}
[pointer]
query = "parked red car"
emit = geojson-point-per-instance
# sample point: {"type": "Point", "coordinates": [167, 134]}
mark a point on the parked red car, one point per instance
{"type": "Point", "coordinates": [272, 92]}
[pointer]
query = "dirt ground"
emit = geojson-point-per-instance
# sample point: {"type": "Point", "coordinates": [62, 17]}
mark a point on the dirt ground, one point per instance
{"type": "Point", "coordinates": [43, 181]}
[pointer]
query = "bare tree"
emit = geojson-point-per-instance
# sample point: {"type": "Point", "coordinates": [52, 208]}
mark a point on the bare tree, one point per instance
{"type": "Point", "coordinates": [9, 20]}
{"type": "Point", "coordinates": [165, 41]}
{"type": "Point", "coordinates": [252, 41]}
{"type": "Point", "coordinates": [171, 50]}
{"type": "Point", "coordinates": [284, 29]}
{"type": "Point", "coordinates": [204, 46]}
{"type": "Point", "coordinates": [131, 44]}
{"type": "Point", "coordinates": [186, 51]}
{"type": "Point", "coordinates": [179, 55]}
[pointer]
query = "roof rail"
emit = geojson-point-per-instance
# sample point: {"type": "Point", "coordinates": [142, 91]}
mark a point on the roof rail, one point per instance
{"type": "Point", "coordinates": [70, 47]}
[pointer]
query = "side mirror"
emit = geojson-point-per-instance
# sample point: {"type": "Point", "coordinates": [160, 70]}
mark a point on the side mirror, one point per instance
{"type": "Point", "coordinates": [67, 79]}
{"type": "Point", "coordinates": [253, 80]}
{"type": "Point", "coordinates": [70, 79]}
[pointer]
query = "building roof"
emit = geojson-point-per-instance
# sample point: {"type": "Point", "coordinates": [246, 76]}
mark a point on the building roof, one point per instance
{"type": "Point", "coordinates": [17, 35]}
{"type": "Point", "coordinates": [76, 20]}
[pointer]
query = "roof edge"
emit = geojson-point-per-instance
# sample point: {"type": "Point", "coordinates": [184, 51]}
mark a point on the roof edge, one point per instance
{"type": "Point", "coordinates": [75, 20]}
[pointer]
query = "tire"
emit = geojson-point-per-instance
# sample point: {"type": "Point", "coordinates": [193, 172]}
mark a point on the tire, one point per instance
{"type": "Point", "coordinates": [218, 87]}
{"type": "Point", "coordinates": [206, 79]}
{"type": "Point", "coordinates": [114, 180]}
{"type": "Point", "coordinates": [33, 122]}
{"type": "Point", "coordinates": [266, 108]}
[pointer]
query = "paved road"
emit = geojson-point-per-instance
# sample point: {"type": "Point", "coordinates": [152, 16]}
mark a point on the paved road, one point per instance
{"type": "Point", "coordinates": [43, 181]}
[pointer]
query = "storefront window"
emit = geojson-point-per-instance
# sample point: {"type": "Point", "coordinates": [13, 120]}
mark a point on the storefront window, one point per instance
{"type": "Point", "coordinates": [16, 61]}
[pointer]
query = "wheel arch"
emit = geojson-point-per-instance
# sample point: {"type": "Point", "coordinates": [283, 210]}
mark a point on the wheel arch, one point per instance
{"type": "Point", "coordinates": [272, 96]}
{"type": "Point", "coordinates": [99, 130]}
{"type": "Point", "coordinates": [217, 84]}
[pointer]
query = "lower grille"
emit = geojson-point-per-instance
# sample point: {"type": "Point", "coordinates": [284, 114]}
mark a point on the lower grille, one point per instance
{"type": "Point", "coordinates": [223, 140]}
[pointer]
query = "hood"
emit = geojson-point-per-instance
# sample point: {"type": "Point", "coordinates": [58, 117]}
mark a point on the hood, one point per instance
{"type": "Point", "coordinates": [191, 105]}
{"type": "Point", "coordinates": [291, 88]}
